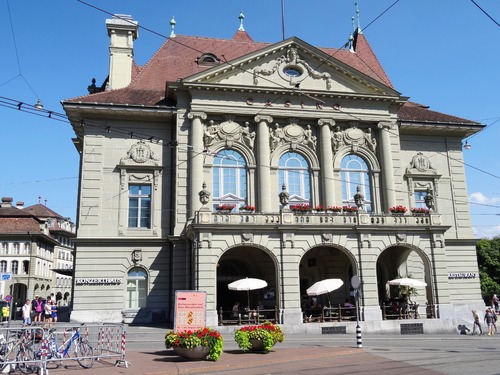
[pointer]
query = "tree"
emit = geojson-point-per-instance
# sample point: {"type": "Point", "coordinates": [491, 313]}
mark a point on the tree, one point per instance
{"type": "Point", "coordinates": [488, 258]}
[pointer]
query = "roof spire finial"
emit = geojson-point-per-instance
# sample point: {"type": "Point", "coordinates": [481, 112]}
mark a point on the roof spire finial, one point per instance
{"type": "Point", "coordinates": [357, 16]}
{"type": "Point", "coordinates": [172, 26]}
{"type": "Point", "coordinates": [241, 17]}
{"type": "Point", "coordinates": [351, 37]}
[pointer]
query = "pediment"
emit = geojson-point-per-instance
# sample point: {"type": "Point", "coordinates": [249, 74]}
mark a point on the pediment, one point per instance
{"type": "Point", "coordinates": [291, 65]}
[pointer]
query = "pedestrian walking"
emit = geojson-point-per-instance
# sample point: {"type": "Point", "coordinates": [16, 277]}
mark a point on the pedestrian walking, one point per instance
{"type": "Point", "coordinates": [26, 310]}
{"type": "Point", "coordinates": [495, 301]}
{"type": "Point", "coordinates": [477, 323]}
{"type": "Point", "coordinates": [488, 319]}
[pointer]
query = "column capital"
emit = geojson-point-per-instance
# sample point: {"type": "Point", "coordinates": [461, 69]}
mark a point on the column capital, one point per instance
{"type": "Point", "coordinates": [386, 125]}
{"type": "Point", "coordinates": [200, 115]}
{"type": "Point", "coordinates": [261, 118]}
{"type": "Point", "coordinates": [326, 121]}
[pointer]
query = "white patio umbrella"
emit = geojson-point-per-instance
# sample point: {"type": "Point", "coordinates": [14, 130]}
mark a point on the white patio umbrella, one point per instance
{"type": "Point", "coordinates": [247, 284]}
{"type": "Point", "coordinates": [324, 287]}
{"type": "Point", "coordinates": [406, 281]}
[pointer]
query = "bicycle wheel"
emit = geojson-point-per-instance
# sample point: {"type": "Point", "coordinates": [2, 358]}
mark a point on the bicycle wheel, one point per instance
{"type": "Point", "coordinates": [26, 360]}
{"type": "Point", "coordinates": [84, 354]}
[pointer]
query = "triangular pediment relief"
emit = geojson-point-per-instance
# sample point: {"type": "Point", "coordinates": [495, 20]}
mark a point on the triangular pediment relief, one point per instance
{"type": "Point", "coordinates": [291, 65]}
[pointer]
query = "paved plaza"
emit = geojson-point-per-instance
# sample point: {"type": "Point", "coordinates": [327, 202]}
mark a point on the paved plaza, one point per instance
{"type": "Point", "coordinates": [314, 354]}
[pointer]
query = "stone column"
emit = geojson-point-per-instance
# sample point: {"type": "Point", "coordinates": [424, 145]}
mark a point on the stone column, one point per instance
{"type": "Point", "coordinates": [327, 181]}
{"type": "Point", "coordinates": [264, 200]}
{"type": "Point", "coordinates": [387, 168]}
{"type": "Point", "coordinates": [196, 155]}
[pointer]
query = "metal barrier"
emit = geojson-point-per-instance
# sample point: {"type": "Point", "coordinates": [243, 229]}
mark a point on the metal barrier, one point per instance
{"type": "Point", "coordinates": [41, 348]}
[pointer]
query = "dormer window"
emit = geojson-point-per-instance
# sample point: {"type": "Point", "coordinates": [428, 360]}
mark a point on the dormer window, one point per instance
{"type": "Point", "coordinates": [207, 59]}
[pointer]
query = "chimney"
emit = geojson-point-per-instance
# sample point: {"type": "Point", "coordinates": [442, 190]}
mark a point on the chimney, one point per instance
{"type": "Point", "coordinates": [122, 31]}
{"type": "Point", "coordinates": [20, 205]}
{"type": "Point", "coordinates": [6, 202]}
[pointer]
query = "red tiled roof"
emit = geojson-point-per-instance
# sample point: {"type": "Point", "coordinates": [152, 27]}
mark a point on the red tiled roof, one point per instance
{"type": "Point", "coordinates": [21, 225]}
{"type": "Point", "coordinates": [40, 210]}
{"type": "Point", "coordinates": [176, 59]}
{"type": "Point", "coordinates": [417, 112]}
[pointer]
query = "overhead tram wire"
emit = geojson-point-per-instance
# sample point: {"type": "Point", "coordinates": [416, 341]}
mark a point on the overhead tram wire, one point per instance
{"type": "Point", "coordinates": [171, 143]}
{"type": "Point", "coordinates": [167, 144]}
{"type": "Point", "coordinates": [482, 10]}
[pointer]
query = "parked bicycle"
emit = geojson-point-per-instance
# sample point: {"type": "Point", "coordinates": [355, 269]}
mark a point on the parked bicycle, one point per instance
{"type": "Point", "coordinates": [16, 352]}
{"type": "Point", "coordinates": [76, 347]}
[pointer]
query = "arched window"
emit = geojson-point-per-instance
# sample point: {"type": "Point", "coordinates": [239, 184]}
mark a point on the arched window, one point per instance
{"type": "Point", "coordinates": [5, 248]}
{"type": "Point", "coordinates": [229, 179]}
{"type": "Point", "coordinates": [137, 282]}
{"type": "Point", "coordinates": [27, 247]}
{"type": "Point", "coordinates": [3, 266]}
{"type": "Point", "coordinates": [293, 171]}
{"type": "Point", "coordinates": [354, 172]}
{"type": "Point", "coordinates": [26, 267]}
{"type": "Point", "coordinates": [17, 248]}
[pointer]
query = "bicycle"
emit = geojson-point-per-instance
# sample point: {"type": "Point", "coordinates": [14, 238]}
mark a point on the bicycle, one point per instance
{"type": "Point", "coordinates": [75, 344]}
{"type": "Point", "coordinates": [17, 353]}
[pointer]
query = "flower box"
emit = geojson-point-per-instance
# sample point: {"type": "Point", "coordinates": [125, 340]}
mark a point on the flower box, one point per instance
{"type": "Point", "coordinates": [301, 208]}
{"type": "Point", "coordinates": [204, 342]}
{"type": "Point", "coordinates": [398, 210]}
{"type": "Point", "coordinates": [247, 208]}
{"type": "Point", "coordinates": [419, 211]}
{"type": "Point", "coordinates": [334, 209]}
{"type": "Point", "coordinates": [224, 208]}
{"type": "Point", "coordinates": [259, 337]}
{"type": "Point", "coordinates": [349, 209]}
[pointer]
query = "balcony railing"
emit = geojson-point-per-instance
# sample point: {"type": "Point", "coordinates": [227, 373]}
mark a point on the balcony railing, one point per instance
{"type": "Point", "coordinates": [317, 219]}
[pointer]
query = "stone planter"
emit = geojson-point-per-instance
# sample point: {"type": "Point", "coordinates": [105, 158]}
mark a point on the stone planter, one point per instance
{"type": "Point", "coordinates": [198, 352]}
{"type": "Point", "coordinates": [257, 346]}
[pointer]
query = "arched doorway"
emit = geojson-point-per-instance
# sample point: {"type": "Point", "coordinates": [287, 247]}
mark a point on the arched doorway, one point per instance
{"type": "Point", "coordinates": [244, 262]}
{"type": "Point", "coordinates": [403, 261]}
{"type": "Point", "coordinates": [321, 263]}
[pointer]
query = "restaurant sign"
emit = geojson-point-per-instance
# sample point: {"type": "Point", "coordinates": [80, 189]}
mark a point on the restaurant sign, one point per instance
{"type": "Point", "coordinates": [462, 275]}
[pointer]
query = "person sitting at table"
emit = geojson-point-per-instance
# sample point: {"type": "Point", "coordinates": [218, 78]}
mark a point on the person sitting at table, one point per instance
{"type": "Point", "coordinates": [348, 303]}
{"type": "Point", "coordinates": [236, 309]}
{"type": "Point", "coordinates": [315, 311]}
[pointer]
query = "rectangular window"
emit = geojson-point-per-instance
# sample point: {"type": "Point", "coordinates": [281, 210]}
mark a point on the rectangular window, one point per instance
{"type": "Point", "coordinates": [3, 266]}
{"type": "Point", "coordinates": [420, 198]}
{"type": "Point", "coordinates": [14, 267]}
{"type": "Point", "coordinates": [139, 206]}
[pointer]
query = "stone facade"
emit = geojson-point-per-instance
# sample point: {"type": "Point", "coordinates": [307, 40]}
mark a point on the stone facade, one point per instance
{"type": "Point", "coordinates": [156, 164]}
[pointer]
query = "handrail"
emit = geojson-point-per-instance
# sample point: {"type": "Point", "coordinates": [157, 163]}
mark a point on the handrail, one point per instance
{"type": "Point", "coordinates": [256, 316]}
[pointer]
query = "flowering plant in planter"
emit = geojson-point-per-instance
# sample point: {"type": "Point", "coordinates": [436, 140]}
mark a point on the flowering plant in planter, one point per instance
{"type": "Point", "coordinates": [268, 333]}
{"type": "Point", "coordinates": [334, 209]}
{"type": "Point", "coordinates": [319, 208]}
{"type": "Point", "coordinates": [350, 209]}
{"type": "Point", "coordinates": [225, 207]}
{"type": "Point", "coordinates": [301, 207]}
{"type": "Point", "coordinates": [419, 210]}
{"type": "Point", "coordinates": [398, 209]}
{"type": "Point", "coordinates": [202, 337]}
{"type": "Point", "coordinates": [247, 207]}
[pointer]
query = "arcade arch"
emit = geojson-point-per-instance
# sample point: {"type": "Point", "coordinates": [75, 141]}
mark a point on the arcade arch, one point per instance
{"type": "Point", "coordinates": [403, 261]}
{"type": "Point", "coordinates": [326, 262]}
{"type": "Point", "coordinates": [241, 262]}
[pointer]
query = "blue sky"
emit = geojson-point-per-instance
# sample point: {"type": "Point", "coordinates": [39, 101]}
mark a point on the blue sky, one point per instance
{"type": "Point", "coordinates": [445, 54]}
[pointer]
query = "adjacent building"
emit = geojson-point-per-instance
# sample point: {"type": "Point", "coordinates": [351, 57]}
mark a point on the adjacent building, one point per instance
{"type": "Point", "coordinates": [228, 158]}
{"type": "Point", "coordinates": [36, 252]}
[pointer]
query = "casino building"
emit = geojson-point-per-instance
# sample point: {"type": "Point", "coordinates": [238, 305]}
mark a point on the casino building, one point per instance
{"type": "Point", "coordinates": [228, 158]}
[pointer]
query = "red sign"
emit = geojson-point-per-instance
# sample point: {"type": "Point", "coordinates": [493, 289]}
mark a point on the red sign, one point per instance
{"type": "Point", "coordinates": [190, 310]}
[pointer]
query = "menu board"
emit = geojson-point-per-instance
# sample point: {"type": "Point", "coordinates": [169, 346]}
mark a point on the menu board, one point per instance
{"type": "Point", "coordinates": [190, 310]}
